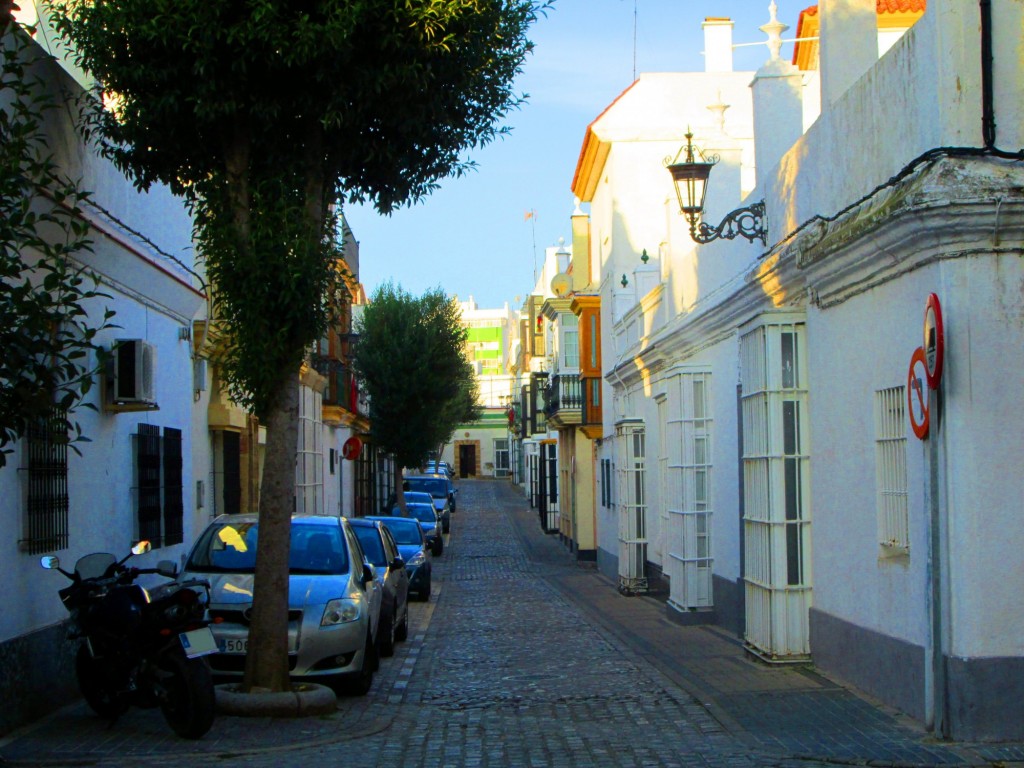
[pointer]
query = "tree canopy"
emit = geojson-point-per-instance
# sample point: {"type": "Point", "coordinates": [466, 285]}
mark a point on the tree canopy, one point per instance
{"type": "Point", "coordinates": [266, 115]}
{"type": "Point", "coordinates": [411, 360]}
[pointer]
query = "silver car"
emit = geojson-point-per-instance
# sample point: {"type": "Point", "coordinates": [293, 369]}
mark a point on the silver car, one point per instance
{"type": "Point", "coordinates": [333, 598]}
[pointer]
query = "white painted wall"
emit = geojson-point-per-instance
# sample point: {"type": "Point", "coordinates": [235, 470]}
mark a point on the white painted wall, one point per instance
{"type": "Point", "coordinates": [155, 300]}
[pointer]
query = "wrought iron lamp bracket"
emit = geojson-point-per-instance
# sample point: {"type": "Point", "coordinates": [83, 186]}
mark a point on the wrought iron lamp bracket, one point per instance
{"type": "Point", "coordinates": [745, 222]}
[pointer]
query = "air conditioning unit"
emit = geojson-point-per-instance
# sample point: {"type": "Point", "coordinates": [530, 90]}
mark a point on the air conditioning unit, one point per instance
{"type": "Point", "coordinates": [130, 373]}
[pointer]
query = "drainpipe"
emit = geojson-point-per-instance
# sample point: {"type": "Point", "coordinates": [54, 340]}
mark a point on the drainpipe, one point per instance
{"type": "Point", "coordinates": [988, 119]}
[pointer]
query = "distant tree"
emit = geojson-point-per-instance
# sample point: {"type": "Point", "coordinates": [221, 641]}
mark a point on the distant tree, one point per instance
{"type": "Point", "coordinates": [464, 408]}
{"type": "Point", "coordinates": [265, 115]}
{"type": "Point", "coordinates": [411, 360]}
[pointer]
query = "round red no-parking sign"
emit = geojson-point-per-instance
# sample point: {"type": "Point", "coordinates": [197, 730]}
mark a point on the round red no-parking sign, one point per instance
{"type": "Point", "coordinates": [917, 393]}
{"type": "Point", "coordinates": [352, 448]}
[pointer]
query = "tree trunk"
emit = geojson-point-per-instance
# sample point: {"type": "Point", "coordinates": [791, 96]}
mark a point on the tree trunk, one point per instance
{"type": "Point", "coordinates": [400, 493]}
{"type": "Point", "coordinates": [266, 664]}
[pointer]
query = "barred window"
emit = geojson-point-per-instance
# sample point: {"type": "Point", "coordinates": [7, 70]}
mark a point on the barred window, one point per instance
{"type": "Point", "coordinates": [891, 469]}
{"type": "Point", "coordinates": [46, 474]}
{"type": "Point", "coordinates": [159, 490]}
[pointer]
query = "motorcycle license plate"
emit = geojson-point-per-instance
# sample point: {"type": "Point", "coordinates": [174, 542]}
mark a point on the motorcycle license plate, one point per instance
{"type": "Point", "coordinates": [234, 645]}
{"type": "Point", "coordinates": [198, 642]}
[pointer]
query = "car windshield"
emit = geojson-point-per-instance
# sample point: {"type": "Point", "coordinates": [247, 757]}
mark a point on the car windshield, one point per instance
{"type": "Point", "coordinates": [405, 531]}
{"type": "Point", "coordinates": [369, 539]}
{"type": "Point", "coordinates": [422, 512]}
{"type": "Point", "coordinates": [230, 547]}
{"type": "Point", "coordinates": [436, 487]}
{"type": "Point", "coordinates": [420, 497]}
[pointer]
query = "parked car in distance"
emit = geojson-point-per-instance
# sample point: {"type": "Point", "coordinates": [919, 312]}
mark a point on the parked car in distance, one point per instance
{"type": "Point", "coordinates": [440, 468]}
{"type": "Point", "coordinates": [381, 550]}
{"type": "Point", "coordinates": [422, 497]}
{"type": "Point", "coordinates": [425, 514]}
{"type": "Point", "coordinates": [412, 545]}
{"type": "Point", "coordinates": [333, 598]}
{"type": "Point", "coordinates": [440, 487]}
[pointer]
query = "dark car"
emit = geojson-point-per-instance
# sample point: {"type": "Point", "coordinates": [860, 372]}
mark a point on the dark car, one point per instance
{"type": "Point", "coordinates": [441, 489]}
{"type": "Point", "coordinates": [412, 545]}
{"type": "Point", "coordinates": [380, 549]}
{"type": "Point", "coordinates": [426, 515]}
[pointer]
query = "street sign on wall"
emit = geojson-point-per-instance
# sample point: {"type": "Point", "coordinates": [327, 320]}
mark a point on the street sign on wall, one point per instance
{"type": "Point", "coordinates": [917, 393]}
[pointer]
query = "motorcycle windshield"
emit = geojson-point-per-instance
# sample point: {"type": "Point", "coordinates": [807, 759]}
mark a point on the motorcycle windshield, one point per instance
{"type": "Point", "coordinates": [94, 566]}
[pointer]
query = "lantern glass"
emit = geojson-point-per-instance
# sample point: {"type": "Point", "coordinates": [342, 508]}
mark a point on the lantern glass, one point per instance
{"type": "Point", "coordinates": [690, 171]}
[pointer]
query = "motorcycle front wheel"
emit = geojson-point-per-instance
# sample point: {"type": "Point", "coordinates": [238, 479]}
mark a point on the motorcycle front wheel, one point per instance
{"type": "Point", "coordinates": [97, 683]}
{"type": "Point", "coordinates": [187, 699]}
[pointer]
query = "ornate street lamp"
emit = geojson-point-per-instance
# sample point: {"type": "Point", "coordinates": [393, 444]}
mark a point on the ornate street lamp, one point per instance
{"type": "Point", "coordinates": [690, 177]}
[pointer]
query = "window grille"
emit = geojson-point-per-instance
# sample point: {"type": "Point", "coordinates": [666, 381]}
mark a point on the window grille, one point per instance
{"type": "Point", "coordinates": [159, 489]}
{"type": "Point", "coordinates": [891, 469]}
{"type": "Point", "coordinates": [46, 474]}
{"type": "Point", "coordinates": [776, 519]}
{"type": "Point", "coordinates": [309, 465]}
{"type": "Point", "coordinates": [630, 442]}
{"type": "Point", "coordinates": [689, 563]}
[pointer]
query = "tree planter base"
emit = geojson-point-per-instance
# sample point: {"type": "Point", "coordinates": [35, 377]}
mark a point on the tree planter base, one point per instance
{"type": "Point", "coordinates": [304, 700]}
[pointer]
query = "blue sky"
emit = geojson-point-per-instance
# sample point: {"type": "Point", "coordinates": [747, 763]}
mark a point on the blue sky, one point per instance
{"type": "Point", "coordinates": [470, 237]}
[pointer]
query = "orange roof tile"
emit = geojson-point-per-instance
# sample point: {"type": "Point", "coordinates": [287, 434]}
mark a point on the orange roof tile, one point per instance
{"type": "Point", "coordinates": [885, 6]}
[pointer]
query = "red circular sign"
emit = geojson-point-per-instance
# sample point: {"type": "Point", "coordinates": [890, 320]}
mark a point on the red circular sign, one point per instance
{"type": "Point", "coordinates": [352, 448]}
{"type": "Point", "coordinates": [917, 394]}
{"type": "Point", "coordinates": [934, 340]}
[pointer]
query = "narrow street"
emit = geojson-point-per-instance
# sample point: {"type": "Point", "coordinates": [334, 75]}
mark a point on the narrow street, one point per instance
{"type": "Point", "coordinates": [525, 658]}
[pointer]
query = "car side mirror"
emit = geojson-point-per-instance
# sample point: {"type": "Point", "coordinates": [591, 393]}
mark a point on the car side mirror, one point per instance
{"type": "Point", "coordinates": [368, 574]}
{"type": "Point", "coordinates": [398, 563]}
{"type": "Point", "coordinates": [167, 568]}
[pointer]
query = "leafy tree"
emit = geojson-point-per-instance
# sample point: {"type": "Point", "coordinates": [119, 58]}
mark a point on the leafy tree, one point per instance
{"type": "Point", "coordinates": [50, 355]}
{"type": "Point", "coordinates": [464, 408]}
{"type": "Point", "coordinates": [411, 360]}
{"type": "Point", "coordinates": [265, 115]}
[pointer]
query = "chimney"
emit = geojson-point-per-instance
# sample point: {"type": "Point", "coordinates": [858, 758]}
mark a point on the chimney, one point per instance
{"type": "Point", "coordinates": [717, 44]}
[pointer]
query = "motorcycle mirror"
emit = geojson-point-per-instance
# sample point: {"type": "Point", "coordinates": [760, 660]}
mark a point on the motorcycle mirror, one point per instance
{"type": "Point", "coordinates": [141, 548]}
{"type": "Point", "coordinates": [50, 562]}
{"type": "Point", "coordinates": [167, 568]}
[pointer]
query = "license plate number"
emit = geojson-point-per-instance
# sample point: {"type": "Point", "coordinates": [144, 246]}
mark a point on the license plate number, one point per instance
{"type": "Point", "coordinates": [198, 642]}
{"type": "Point", "coordinates": [234, 645]}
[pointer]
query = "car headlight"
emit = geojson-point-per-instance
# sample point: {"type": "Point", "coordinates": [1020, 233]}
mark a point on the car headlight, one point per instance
{"type": "Point", "coordinates": [418, 559]}
{"type": "Point", "coordinates": [341, 611]}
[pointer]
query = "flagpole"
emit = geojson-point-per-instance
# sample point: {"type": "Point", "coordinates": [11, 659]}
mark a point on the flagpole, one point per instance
{"type": "Point", "coordinates": [533, 228]}
{"type": "Point", "coordinates": [531, 216]}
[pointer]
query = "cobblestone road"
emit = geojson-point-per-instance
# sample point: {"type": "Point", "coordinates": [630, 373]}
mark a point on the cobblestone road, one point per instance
{"type": "Point", "coordinates": [524, 658]}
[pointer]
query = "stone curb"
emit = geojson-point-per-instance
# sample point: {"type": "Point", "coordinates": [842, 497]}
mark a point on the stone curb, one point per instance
{"type": "Point", "coordinates": [304, 700]}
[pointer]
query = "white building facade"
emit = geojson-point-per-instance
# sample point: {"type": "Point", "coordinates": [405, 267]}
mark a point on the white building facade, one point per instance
{"type": "Point", "coordinates": [762, 415]}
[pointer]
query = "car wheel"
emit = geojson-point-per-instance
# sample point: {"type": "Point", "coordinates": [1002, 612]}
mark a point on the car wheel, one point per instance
{"type": "Point", "coordinates": [402, 630]}
{"type": "Point", "coordinates": [386, 633]}
{"type": "Point", "coordinates": [438, 547]}
{"type": "Point", "coordinates": [359, 683]}
{"type": "Point", "coordinates": [446, 527]}
{"type": "Point", "coordinates": [424, 595]}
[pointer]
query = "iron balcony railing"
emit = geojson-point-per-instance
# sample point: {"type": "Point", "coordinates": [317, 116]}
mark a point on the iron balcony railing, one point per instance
{"type": "Point", "coordinates": [563, 394]}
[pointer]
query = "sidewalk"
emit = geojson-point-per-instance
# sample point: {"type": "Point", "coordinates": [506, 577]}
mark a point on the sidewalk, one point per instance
{"type": "Point", "coordinates": [789, 711]}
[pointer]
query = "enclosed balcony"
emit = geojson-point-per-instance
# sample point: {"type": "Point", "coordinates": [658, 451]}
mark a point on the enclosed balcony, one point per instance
{"type": "Point", "coordinates": [343, 400]}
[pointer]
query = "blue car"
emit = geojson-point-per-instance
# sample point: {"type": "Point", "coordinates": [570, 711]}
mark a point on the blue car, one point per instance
{"type": "Point", "coordinates": [426, 515]}
{"type": "Point", "coordinates": [412, 545]}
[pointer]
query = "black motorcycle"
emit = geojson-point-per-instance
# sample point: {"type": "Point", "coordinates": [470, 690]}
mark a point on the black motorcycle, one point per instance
{"type": "Point", "coordinates": [141, 647]}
